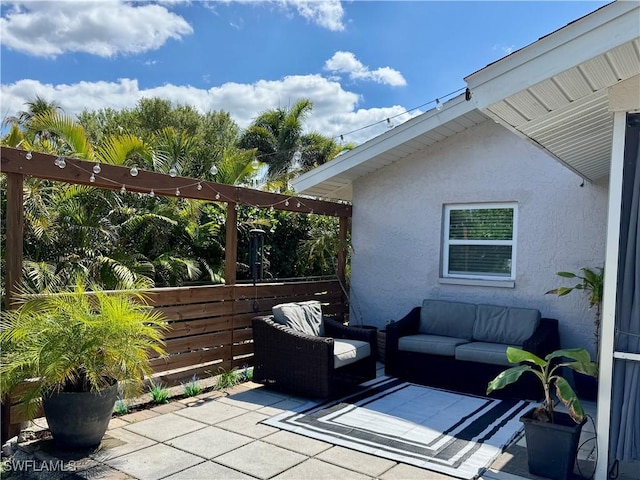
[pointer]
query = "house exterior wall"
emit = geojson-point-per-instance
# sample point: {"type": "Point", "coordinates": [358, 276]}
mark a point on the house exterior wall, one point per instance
{"type": "Point", "coordinates": [397, 229]}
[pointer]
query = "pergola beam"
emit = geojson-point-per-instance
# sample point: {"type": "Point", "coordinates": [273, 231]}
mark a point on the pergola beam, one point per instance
{"type": "Point", "coordinates": [15, 237]}
{"type": "Point", "coordinates": [113, 177]}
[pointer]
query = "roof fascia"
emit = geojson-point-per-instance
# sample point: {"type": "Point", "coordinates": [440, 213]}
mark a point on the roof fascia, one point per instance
{"type": "Point", "coordinates": [576, 43]}
{"type": "Point", "coordinates": [409, 130]}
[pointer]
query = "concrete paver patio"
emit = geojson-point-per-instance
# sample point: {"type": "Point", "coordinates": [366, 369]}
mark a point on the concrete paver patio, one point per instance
{"type": "Point", "coordinates": [216, 436]}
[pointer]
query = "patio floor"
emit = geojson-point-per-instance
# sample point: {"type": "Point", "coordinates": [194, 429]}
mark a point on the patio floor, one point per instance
{"type": "Point", "coordinates": [218, 436]}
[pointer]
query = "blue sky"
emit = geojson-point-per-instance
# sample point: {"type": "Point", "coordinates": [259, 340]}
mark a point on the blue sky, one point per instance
{"type": "Point", "coordinates": [360, 62]}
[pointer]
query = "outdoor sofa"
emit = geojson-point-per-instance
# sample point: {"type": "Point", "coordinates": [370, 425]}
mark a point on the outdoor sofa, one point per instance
{"type": "Point", "coordinates": [462, 346]}
{"type": "Point", "coordinates": [300, 350]}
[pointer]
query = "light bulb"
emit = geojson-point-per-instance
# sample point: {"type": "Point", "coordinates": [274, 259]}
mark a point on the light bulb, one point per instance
{"type": "Point", "coordinates": [199, 187]}
{"type": "Point", "coordinates": [298, 204]}
{"type": "Point", "coordinates": [97, 169]}
{"type": "Point", "coordinates": [123, 189]}
{"type": "Point", "coordinates": [255, 163]}
{"type": "Point", "coordinates": [152, 193]}
{"type": "Point", "coordinates": [389, 124]}
{"type": "Point", "coordinates": [173, 171]}
{"type": "Point", "coordinates": [286, 203]}
{"type": "Point", "coordinates": [61, 163]}
{"type": "Point", "coordinates": [92, 178]}
{"type": "Point", "coordinates": [29, 156]}
{"type": "Point", "coordinates": [297, 156]}
{"type": "Point", "coordinates": [438, 104]}
{"type": "Point", "coordinates": [237, 207]}
{"type": "Point", "coordinates": [217, 196]}
{"type": "Point", "coordinates": [213, 170]}
{"type": "Point", "coordinates": [177, 192]}
{"type": "Point", "coordinates": [134, 171]}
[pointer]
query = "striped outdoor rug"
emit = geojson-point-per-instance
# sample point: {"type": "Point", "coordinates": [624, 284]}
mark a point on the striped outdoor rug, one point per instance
{"type": "Point", "coordinates": [451, 433]}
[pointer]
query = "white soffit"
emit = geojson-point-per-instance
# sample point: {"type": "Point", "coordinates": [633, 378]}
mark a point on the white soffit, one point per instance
{"type": "Point", "coordinates": [334, 179]}
{"type": "Point", "coordinates": [567, 113]}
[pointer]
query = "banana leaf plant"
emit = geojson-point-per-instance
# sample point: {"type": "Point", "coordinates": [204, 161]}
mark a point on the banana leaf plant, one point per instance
{"type": "Point", "coordinates": [546, 370]}
{"type": "Point", "coordinates": [591, 281]}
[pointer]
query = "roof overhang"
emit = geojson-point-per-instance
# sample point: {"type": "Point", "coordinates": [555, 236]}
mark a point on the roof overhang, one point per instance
{"type": "Point", "coordinates": [334, 179]}
{"type": "Point", "coordinates": [553, 93]}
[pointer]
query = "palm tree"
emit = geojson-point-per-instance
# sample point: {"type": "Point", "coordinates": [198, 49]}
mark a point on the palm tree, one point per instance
{"type": "Point", "coordinates": [279, 142]}
{"type": "Point", "coordinates": [36, 107]}
{"type": "Point", "coordinates": [275, 134]}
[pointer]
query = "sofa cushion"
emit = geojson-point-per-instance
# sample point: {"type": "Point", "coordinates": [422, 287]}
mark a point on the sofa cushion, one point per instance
{"type": "Point", "coordinates": [431, 344]}
{"type": "Point", "coordinates": [349, 351]}
{"type": "Point", "coordinates": [449, 319]}
{"type": "Point", "coordinates": [484, 352]}
{"type": "Point", "coordinates": [507, 325]}
{"type": "Point", "coordinates": [304, 317]}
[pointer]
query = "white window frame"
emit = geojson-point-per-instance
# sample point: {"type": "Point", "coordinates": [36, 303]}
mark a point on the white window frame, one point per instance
{"type": "Point", "coordinates": [446, 242]}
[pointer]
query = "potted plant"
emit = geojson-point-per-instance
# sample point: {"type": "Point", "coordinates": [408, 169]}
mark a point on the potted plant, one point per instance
{"type": "Point", "coordinates": [552, 437]}
{"type": "Point", "coordinates": [74, 349]}
{"type": "Point", "coordinates": [590, 281]}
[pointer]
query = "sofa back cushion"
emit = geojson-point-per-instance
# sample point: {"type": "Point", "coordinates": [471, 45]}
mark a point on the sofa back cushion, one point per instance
{"type": "Point", "coordinates": [508, 325]}
{"type": "Point", "coordinates": [305, 317]}
{"type": "Point", "coordinates": [449, 319]}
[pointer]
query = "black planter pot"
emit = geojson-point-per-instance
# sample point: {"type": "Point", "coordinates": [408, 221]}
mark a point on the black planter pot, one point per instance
{"type": "Point", "coordinates": [79, 419]}
{"type": "Point", "coordinates": [552, 447]}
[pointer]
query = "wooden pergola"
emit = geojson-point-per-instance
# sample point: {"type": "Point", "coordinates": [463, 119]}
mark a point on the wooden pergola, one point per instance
{"type": "Point", "coordinates": [210, 325]}
{"type": "Point", "coordinates": [17, 163]}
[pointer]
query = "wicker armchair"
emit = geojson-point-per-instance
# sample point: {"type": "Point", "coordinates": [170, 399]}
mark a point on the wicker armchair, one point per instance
{"type": "Point", "coordinates": [288, 359]}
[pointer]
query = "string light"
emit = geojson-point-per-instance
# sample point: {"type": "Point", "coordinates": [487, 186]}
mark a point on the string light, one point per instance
{"type": "Point", "coordinates": [438, 104]}
{"type": "Point", "coordinates": [213, 170]}
{"type": "Point", "coordinates": [298, 204]}
{"type": "Point", "coordinates": [97, 168]}
{"type": "Point", "coordinates": [60, 162]}
{"type": "Point", "coordinates": [123, 189]}
{"type": "Point", "coordinates": [29, 155]}
{"type": "Point", "coordinates": [173, 171]}
{"type": "Point", "coordinates": [152, 193]}
{"type": "Point", "coordinates": [134, 171]}
{"type": "Point", "coordinates": [217, 196]}
{"type": "Point", "coordinates": [92, 178]}
{"type": "Point", "coordinates": [237, 207]}
{"type": "Point", "coordinates": [177, 192]}
{"type": "Point", "coordinates": [436, 101]}
{"type": "Point", "coordinates": [199, 187]}
{"type": "Point", "coordinates": [389, 124]}
{"type": "Point", "coordinates": [286, 203]}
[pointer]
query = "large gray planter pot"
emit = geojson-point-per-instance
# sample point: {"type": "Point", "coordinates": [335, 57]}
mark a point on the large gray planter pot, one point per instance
{"type": "Point", "coordinates": [79, 419]}
{"type": "Point", "coordinates": [552, 447]}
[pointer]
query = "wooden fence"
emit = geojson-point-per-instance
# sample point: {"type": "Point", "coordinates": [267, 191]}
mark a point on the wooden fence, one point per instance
{"type": "Point", "coordinates": [210, 328]}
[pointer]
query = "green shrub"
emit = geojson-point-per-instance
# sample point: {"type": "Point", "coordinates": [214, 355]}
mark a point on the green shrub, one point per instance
{"type": "Point", "coordinates": [121, 407]}
{"type": "Point", "coordinates": [191, 388]}
{"type": "Point", "coordinates": [159, 394]}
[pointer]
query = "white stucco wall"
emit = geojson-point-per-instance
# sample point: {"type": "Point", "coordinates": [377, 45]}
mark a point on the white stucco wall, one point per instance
{"type": "Point", "coordinates": [397, 223]}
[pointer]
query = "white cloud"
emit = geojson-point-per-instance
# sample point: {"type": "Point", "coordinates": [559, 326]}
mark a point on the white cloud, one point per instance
{"type": "Point", "coordinates": [505, 49]}
{"type": "Point", "coordinates": [335, 110]}
{"type": "Point", "coordinates": [98, 27]}
{"type": "Point", "coordinates": [325, 13]}
{"type": "Point", "coordinates": [346, 62]}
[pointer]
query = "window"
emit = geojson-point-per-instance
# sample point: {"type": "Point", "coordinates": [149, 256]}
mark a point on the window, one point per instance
{"type": "Point", "coordinates": [479, 241]}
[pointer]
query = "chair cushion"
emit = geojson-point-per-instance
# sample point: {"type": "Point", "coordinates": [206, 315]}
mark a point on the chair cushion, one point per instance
{"type": "Point", "coordinates": [449, 319]}
{"type": "Point", "coordinates": [432, 344]}
{"type": "Point", "coordinates": [305, 317]}
{"type": "Point", "coordinates": [507, 325]}
{"type": "Point", "coordinates": [484, 352]}
{"type": "Point", "coordinates": [349, 351]}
